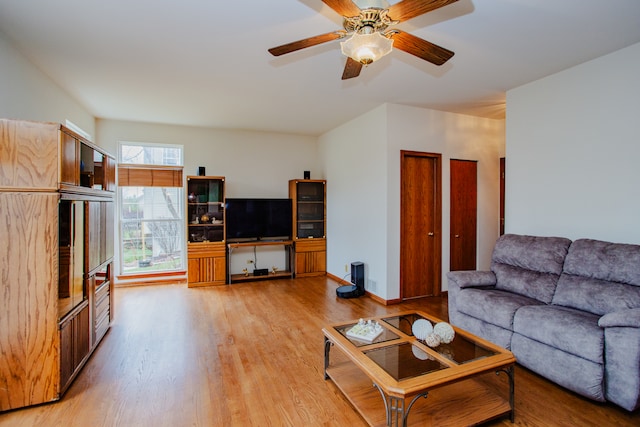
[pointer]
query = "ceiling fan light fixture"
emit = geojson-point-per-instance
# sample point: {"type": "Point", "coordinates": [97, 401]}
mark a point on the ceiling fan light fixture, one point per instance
{"type": "Point", "coordinates": [366, 48]}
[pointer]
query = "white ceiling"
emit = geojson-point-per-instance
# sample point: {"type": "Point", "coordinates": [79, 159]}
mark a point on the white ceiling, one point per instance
{"type": "Point", "coordinates": [205, 62]}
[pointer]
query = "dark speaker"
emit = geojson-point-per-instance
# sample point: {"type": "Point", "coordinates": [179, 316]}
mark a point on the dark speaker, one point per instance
{"type": "Point", "coordinates": [357, 275]}
{"type": "Point", "coordinates": [307, 174]}
{"type": "Point", "coordinates": [201, 171]}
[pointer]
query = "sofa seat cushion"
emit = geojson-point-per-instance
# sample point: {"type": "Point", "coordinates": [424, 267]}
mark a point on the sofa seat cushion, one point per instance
{"type": "Point", "coordinates": [488, 331]}
{"type": "Point", "coordinates": [572, 372]}
{"type": "Point", "coordinates": [492, 306]}
{"type": "Point", "coordinates": [573, 331]}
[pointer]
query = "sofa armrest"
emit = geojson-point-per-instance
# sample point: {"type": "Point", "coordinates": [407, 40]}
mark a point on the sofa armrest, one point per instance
{"type": "Point", "coordinates": [629, 318]}
{"type": "Point", "coordinates": [472, 279]}
{"type": "Point", "coordinates": [622, 357]}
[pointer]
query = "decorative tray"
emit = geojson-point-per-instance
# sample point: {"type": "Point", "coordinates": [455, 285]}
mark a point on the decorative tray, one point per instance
{"type": "Point", "coordinates": [365, 331]}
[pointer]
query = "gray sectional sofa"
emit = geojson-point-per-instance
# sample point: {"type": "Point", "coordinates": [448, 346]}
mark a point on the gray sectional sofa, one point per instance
{"type": "Point", "coordinates": [569, 311]}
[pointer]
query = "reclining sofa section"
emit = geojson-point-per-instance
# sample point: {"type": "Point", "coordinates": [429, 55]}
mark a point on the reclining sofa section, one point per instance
{"type": "Point", "coordinates": [569, 311]}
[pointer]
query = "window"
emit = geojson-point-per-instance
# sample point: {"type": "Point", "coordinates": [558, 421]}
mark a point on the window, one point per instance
{"type": "Point", "coordinates": [151, 208]}
{"type": "Point", "coordinates": [146, 154]}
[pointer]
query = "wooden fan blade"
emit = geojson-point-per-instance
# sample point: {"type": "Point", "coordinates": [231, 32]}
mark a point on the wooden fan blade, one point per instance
{"type": "Point", "coordinates": [421, 48]}
{"type": "Point", "coordinates": [351, 69]}
{"type": "Point", "coordinates": [408, 9]}
{"type": "Point", "coordinates": [343, 7]}
{"type": "Point", "coordinates": [308, 42]}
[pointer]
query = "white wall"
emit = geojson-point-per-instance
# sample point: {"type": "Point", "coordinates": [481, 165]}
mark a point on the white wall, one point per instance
{"type": "Point", "coordinates": [455, 136]}
{"type": "Point", "coordinates": [362, 164]}
{"type": "Point", "coordinates": [355, 166]}
{"type": "Point", "coordinates": [29, 94]}
{"type": "Point", "coordinates": [573, 150]}
{"type": "Point", "coordinates": [255, 164]}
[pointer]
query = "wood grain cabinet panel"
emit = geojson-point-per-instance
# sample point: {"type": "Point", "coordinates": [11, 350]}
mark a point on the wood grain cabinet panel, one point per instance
{"type": "Point", "coordinates": [74, 345]}
{"type": "Point", "coordinates": [110, 174]}
{"type": "Point", "coordinates": [29, 359]}
{"type": "Point", "coordinates": [207, 264]}
{"type": "Point", "coordinates": [100, 236]}
{"type": "Point", "coordinates": [311, 257]}
{"type": "Point", "coordinates": [48, 220]}
{"type": "Point", "coordinates": [69, 159]}
{"type": "Point", "coordinates": [66, 353]}
{"type": "Point", "coordinates": [29, 153]}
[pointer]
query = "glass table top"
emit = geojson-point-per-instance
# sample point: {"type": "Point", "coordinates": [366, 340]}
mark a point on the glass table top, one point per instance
{"type": "Point", "coordinates": [404, 360]}
{"type": "Point", "coordinates": [460, 350]}
{"type": "Point", "coordinates": [402, 356]}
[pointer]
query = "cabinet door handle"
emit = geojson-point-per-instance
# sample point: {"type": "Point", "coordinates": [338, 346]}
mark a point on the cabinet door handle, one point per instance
{"type": "Point", "coordinates": [430, 234]}
{"type": "Point", "coordinates": [457, 236]}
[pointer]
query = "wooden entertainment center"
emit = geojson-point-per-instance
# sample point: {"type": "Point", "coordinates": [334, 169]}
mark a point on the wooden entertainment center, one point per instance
{"type": "Point", "coordinates": [206, 252]}
{"type": "Point", "coordinates": [57, 204]}
{"type": "Point", "coordinates": [309, 199]}
{"type": "Point", "coordinates": [210, 248]}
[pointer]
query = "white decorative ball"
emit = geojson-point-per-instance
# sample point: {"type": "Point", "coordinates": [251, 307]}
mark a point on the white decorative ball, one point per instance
{"type": "Point", "coordinates": [421, 328]}
{"type": "Point", "coordinates": [444, 331]}
{"type": "Point", "coordinates": [432, 340]}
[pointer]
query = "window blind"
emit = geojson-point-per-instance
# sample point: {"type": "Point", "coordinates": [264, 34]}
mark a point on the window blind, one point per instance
{"type": "Point", "coordinates": [130, 175]}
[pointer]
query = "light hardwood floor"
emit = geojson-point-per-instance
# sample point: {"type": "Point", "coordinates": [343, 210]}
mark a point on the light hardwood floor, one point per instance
{"type": "Point", "coordinates": [250, 355]}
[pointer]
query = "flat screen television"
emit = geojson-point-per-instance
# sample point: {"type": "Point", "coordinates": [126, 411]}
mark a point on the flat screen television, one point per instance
{"type": "Point", "coordinates": [258, 219]}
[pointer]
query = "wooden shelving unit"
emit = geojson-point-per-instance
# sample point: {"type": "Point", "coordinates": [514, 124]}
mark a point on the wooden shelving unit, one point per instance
{"type": "Point", "coordinates": [309, 199]}
{"type": "Point", "coordinates": [236, 278]}
{"type": "Point", "coordinates": [205, 231]}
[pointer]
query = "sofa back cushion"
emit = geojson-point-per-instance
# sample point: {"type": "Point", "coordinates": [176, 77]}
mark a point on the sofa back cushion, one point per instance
{"type": "Point", "coordinates": [600, 277]}
{"type": "Point", "coordinates": [529, 265]}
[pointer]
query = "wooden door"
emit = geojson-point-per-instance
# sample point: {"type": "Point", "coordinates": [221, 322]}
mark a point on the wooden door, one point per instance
{"type": "Point", "coordinates": [463, 215]}
{"type": "Point", "coordinates": [420, 224]}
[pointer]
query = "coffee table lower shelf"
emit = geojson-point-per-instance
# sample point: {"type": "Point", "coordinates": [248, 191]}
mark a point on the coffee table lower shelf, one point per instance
{"type": "Point", "coordinates": [464, 403]}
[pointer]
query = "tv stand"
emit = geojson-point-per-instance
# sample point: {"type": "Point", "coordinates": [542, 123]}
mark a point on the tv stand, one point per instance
{"type": "Point", "coordinates": [237, 278]}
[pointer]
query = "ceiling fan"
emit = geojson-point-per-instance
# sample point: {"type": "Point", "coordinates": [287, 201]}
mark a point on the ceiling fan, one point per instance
{"type": "Point", "coordinates": [366, 23]}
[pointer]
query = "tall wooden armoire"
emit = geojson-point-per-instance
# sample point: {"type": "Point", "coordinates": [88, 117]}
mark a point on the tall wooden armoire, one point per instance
{"type": "Point", "coordinates": [56, 275]}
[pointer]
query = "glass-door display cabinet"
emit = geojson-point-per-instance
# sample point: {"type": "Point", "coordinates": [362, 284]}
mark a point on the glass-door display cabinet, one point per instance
{"type": "Point", "coordinates": [205, 230]}
{"type": "Point", "coordinates": [309, 226]}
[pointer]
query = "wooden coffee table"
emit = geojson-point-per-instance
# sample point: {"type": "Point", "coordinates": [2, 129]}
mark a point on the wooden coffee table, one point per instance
{"type": "Point", "coordinates": [397, 375]}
